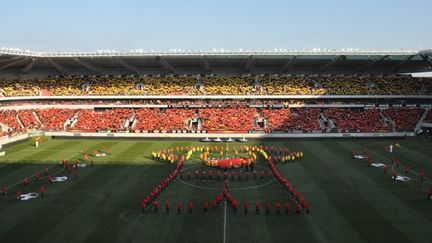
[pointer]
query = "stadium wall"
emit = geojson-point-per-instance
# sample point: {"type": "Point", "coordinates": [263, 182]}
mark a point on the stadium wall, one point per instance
{"type": "Point", "coordinates": [7, 140]}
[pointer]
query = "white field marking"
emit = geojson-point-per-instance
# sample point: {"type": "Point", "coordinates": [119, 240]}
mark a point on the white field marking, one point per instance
{"type": "Point", "coordinates": [225, 220]}
{"type": "Point", "coordinates": [16, 184]}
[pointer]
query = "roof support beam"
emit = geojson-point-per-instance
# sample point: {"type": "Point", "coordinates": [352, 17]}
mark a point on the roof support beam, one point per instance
{"type": "Point", "coordinates": [29, 66]}
{"type": "Point", "coordinates": [88, 65]}
{"type": "Point", "coordinates": [249, 64]}
{"type": "Point", "coordinates": [403, 62]}
{"type": "Point", "coordinates": [290, 64]}
{"type": "Point", "coordinates": [165, 64]}
{"type": "Point", "coordinates": [57, 66]}
{"type": "Point", "coordinates": [370, 64]}
{"type": "Point", "coordinates": [11, 59]}
{"type": "Point", "coordinates": [14, 63]}
{"type": "Point", "coordinates": [206, 64]}
{"type": "Point", "coordinates": [126, 65]}
{"type": "Point", "coordinates": [331, 63]}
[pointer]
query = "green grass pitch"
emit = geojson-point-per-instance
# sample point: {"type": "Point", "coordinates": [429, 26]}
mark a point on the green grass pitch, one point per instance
{"type": "Point", "coordinates": [350, 202]}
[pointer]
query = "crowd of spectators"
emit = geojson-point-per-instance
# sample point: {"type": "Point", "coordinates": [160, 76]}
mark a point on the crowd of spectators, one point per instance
{"type": "Point", "coordinates": [28, 119]}
{"type": "Point", "coordinates": [356, 120]}
{"type": "Point", "coordinates": [234, 119]}
{"type": "Point", "coordinates": [162, 119]}
{"type": "Point", "coordinates": [108, 120]}
{"type": "Point", "coordinates": [304, 119]}
{"type": "Point", "coordinates": [55, 119]}
{"type": "Point", "coordinates": [218, 85]}
{"type": "Point", "coordinates": [9, 123]}
{"type": "Point", "coordinates": [404, 119]}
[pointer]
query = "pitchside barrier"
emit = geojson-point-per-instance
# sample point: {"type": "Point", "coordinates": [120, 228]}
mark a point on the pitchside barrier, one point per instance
{"type": "Point", "coordinates": [8, 140]}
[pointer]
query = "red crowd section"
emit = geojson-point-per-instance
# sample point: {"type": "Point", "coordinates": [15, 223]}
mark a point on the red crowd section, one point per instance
{"type": "Point", "coordinates": [235, 119]}
{"type": "Point", "coordinates": [109, 119]}
{"type": "Point", "coordinates": [368, 120]}
{"type": "Point", "coordinates": [54, 119]}
{"type": "Point", "coordinates": [305, 119]}
{"type": "Point", "coordinates": [162, 120]}
{"type": "Point", "coordinates": [404, 119]}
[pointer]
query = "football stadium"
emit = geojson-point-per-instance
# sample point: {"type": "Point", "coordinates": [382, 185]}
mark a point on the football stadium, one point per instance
{"type": "Point", "coordinates": [314, 146]}
{"type": "Point", "coordinates": [278, 145]}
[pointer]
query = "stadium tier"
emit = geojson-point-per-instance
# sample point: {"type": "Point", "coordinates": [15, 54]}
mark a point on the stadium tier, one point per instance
{"type": "Point", "coordinates": [303, 92]}
{"type": "Point", "coordinates": [358, 85]}
{"type": "Point", "coordinates": [213, 120]}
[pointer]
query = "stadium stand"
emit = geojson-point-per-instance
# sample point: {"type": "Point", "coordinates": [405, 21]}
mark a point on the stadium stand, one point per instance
{"type": "Point", "coordinates": [217, 85]}
{"type": "Point", "coordinates": [404, 119]}
{"type": "Point", "coordinates": [9, 121]}
{"type": "Point", "coordinates": [108, 120]}
{"type": "Point", "coordinates": [226, 119]}
{"type": "Point", "coordinates": [285, 120]}
{"type": "Point", "coordinates": [28, 119]}
{"type": "Point", "coordinates": [150, 120]}
{"type": "Point", "coordinates": [359, 120]}
{"type": "Point", "coordinates": [54, 119]}
{"type": "Point", "coordinates": [354, 92]}
{"type": "Point", "coordinates": [232, 119]}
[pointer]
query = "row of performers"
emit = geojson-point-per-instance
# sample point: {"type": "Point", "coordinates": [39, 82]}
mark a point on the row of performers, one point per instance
{"type": "Point", "coordinates": [282, 154]}
{"type": "Point", "coordinates": [154, 193]}
{"type": "Point", "coordinates": [287, 185]}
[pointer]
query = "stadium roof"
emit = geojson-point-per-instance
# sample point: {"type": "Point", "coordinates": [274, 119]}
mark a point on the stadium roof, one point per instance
{"type": "Point", "coordinates": [278, 61]}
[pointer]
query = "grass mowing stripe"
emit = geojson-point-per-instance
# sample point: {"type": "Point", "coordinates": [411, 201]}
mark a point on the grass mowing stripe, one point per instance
{"type": "Point", "coordinates": [53, 194]}
{"type": "Point", "coordinates": [131, 226]}
{"type": "Point", "coordinates": [47, 217]}
{"type": "Point", "coordinates": [10, 169]}
{"type": "Point", "coordinates": [117, 210]}
{"type": "Point", "coordinates": [374, 191]}
{"type": "Point", "coordinates": [41, 154]}
{"type": "Point", "coordinates": [132, 180]}
{"type": "Point", "coordinates": [132, 152]}
{"type": "Point", "coordinates": [364, 219]}
{"type": "Point", "coordinates": [27, 208]}
{"type": "Point", "coordinates": [326, 217]}
{"type": "Point", "coordinates": [93, 209]}
{"type": "Point", "coordinates": [322, 208]}
{"type": "Point", "coordinates": [14, 173]}
{"type": "Point", "coordinates": [410, 193]}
